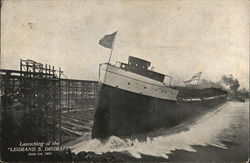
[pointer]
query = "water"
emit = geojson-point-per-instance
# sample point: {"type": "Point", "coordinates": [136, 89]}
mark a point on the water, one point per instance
{"type": "Point", "coordinates": [214, 128]}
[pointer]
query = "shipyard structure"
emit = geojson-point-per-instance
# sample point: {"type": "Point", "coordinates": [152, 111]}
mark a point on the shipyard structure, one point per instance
{"type": "Point", "coordinates": [39, 105]}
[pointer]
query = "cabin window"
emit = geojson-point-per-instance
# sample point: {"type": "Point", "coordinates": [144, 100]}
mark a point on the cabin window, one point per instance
{"type": "Point", "coordinates": [128, 83]}
{"type": "Point", "coordinates": [145, 87]}
{"type": "Point", "coordinates": [155, 89]}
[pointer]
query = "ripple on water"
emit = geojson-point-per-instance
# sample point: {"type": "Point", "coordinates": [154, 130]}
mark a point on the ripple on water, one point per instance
{"type": "Point", "coordinates": [215, 128]}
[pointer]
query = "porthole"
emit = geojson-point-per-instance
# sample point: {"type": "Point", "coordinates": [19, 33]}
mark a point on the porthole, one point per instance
{"type": "Point", "coordinates": [145, 87]}
{"type": "Point", "coordinates": [128, 83]}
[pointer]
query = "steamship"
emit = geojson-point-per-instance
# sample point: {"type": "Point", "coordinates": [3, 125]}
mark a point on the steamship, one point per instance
{"type": "Point", "coordinates": [133, 99]}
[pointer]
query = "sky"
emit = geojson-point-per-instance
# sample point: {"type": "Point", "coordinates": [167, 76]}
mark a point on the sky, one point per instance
{"type": "Point", "coordinates": [178, 37]}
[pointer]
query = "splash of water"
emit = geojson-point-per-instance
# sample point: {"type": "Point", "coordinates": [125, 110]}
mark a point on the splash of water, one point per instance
{"type": "Point", "coordinates": [212, 129]}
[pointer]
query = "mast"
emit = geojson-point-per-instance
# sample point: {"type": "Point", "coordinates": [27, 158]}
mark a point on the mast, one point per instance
{"type": "Point", "coordinates": [112, 48]}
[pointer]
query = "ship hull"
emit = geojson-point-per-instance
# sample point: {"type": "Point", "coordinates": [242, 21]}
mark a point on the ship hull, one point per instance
{"type": "Point", "coordinates": [120, 112]}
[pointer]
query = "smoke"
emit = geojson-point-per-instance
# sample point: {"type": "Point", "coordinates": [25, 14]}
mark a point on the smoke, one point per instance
{"type": "Point", "coordinates": [207, 84]}
{"type": "Point", "coordinates": [226, 82]}
{"type": "Point", "coordinates": [229, 80]}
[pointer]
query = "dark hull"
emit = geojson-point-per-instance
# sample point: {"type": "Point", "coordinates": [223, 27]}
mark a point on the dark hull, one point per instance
{"type": "Point", "coordinates": [123, 113]}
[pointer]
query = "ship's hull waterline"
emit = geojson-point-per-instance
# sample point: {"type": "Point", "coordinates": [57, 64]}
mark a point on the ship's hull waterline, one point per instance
{"type": "Point", "coordinates": [120, 112]}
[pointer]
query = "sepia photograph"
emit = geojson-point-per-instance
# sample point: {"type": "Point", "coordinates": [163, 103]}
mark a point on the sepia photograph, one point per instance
{"type": "Point", "coordinates": [124, 81]}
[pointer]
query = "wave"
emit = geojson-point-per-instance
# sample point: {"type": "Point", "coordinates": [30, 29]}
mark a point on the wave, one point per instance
{"type": "Point", "coordinates": [213, 129]}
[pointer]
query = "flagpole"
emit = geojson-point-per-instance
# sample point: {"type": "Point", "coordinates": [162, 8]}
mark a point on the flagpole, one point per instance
{"type": "Point", "coordinates": [198, 81]}
{"type": "Point", "coordinates": [112, 48]}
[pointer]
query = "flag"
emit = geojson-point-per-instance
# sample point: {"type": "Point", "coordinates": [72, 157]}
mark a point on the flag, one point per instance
{"type": "Point", "coordinates": [195, 77]}
{"type": "Point", "coordinates": [107, 40]}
